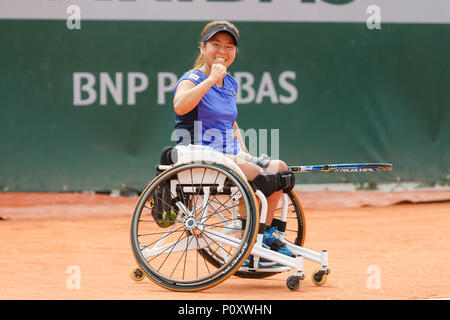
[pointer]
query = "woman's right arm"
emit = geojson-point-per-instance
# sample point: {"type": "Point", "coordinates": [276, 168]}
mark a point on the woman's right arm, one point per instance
{"type": "Point", "coordinates": [188, 95]}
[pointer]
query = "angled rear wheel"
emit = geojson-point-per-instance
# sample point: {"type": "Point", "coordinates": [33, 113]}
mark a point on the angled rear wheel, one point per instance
{"type": "Point", "coordinates": [187, 210]}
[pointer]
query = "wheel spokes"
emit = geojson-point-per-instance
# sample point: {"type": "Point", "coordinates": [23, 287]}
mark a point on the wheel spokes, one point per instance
{"type": "Point", "coordinates": [206, 225]}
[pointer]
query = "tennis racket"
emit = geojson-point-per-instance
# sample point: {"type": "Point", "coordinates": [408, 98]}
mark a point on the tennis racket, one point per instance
{"type": "Point", "coordinates": [350, 167]}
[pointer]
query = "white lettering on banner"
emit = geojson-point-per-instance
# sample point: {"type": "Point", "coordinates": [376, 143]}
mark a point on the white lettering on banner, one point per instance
{"type": "Point", "coordinates": [163, 88]}
{"type": "Point", "coordinates": [266, 88]}
{"type": "Point", "coordinates": [417, 11]}
{"type": "Point", "coordinates": [289, 87]}
{"type": "Point", "coordinates": [245, 81]}
{"type": "Point", "coordinates": [115, 89]}
{"type": "Point", "coordinates": [87, 88]}
{"type": "Point", "coordinates": [107, 86]}
{"type": "Point", "coordinates": [133, 88]}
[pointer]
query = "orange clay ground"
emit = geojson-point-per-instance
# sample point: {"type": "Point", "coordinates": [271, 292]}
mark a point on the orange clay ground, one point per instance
{"type": "Point", "coordinates": [381, 246]}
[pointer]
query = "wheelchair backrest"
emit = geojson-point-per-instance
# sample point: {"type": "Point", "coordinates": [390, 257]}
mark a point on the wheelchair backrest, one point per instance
{"type": "Point", "coordinates": [190, 153]}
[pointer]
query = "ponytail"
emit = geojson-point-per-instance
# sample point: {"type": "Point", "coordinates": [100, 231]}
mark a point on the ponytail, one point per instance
{"type": "Point", "coordinates": [199, 62]}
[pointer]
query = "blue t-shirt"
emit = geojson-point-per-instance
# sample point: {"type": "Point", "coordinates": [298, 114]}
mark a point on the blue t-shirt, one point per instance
{"type": "Point", "coordinates": [210, 123]}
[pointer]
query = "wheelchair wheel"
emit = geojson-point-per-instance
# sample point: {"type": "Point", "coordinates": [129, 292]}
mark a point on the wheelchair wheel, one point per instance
{"type": "Point", "coordinates": [295, 223]}
{"type": "Point", "coordinates": [294, 233]}
{"type": "Point", "coordinates": [201, 198]}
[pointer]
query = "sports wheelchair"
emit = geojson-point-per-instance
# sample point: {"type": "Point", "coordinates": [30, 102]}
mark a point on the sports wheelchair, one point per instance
{"type": "Point", "coordinates": [199, 221]}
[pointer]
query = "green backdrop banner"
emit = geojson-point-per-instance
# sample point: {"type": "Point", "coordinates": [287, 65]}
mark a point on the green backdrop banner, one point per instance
{"type": "Point", "coordinates": [90, 109]}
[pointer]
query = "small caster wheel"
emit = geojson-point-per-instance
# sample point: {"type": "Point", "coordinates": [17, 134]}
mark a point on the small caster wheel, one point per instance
{"type": "Point", "coordinates": [319, 277]}
{"type": "Point", "coordinates": [294, 282]}
{"type": "Point", "coordinates": [136, 274]}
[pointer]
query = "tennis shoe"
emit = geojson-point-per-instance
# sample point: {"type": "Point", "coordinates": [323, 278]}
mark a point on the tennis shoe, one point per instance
{"type": "Point", "coordinates": [274, 243]}
{"type": "Point", "coordinates": [270, 241]}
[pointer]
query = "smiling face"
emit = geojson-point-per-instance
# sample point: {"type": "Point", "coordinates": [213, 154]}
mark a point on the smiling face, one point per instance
{"type": "Point", "coordinates": [219, 49]}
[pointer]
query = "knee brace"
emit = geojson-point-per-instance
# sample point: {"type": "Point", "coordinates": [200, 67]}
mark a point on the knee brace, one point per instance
{"type": "Point", "coordinates": [268, 183]}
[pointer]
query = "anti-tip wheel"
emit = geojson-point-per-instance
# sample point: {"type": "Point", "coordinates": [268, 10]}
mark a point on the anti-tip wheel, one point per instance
{"type": "Point", "coordinates": [319, 277]}
{"type": "Point", "coordinates": [294, 282]}
{"type": "Point", "coordinates": [136, 274]}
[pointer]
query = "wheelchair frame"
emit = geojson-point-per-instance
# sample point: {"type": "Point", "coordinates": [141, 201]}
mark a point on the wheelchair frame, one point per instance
{"type": "Point", "coordinates": [196, 155]}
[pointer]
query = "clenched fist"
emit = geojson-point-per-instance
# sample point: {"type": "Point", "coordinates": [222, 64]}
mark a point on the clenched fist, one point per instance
{"type": "Point", "coordinates": [218, 72]}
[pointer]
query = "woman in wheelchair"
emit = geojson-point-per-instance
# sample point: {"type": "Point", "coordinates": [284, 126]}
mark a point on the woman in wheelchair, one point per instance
{"type": "Point", "coordinates": [205, 106]}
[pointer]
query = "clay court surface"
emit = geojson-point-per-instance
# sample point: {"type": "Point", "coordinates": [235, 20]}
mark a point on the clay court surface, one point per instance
{"type": "Point", "coordinates": [381, 246]}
